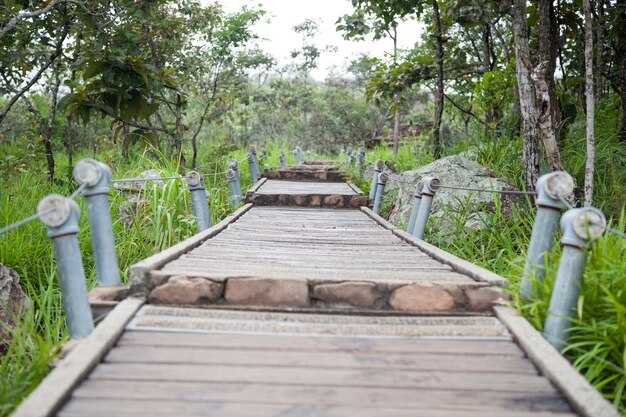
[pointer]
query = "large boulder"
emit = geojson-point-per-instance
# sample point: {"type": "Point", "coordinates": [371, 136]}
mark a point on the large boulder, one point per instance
{"type": "Point", "coordinates": [13, 304]}
{"type": "Point", "coordinates": [451, 208]}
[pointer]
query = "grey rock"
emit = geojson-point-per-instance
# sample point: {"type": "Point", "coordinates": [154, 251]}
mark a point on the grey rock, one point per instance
{"type": "Point", "coordinates": [452, 209]}
{"type": "Point", "coordinates": [13, 303]}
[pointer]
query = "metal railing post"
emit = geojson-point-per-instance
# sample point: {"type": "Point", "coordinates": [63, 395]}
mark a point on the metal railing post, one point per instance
{"type": "Point", "coordinates": [236, 196]}
{"type": "Point", "coordinates": [580, 227]}
{"type": "Point", "coordinates": [252, 169]}
{"type": "Point", "coordinates": [257, 168]}
{"type": "Point", "coordinates": [308, 155]}
{"type": "Point", "coordinates": [549, 205]}
{"type": "Point", "coordinates": [348, 157]}
{"type": "Point", "coordinates": [430, 185]}
{"type": "Point", "coordinates": [95, 177]}
{"type": "Point", "coordinates": [360, 158]}
{"type": "Point", "coordinates": [283, 159]}
{"type": "Point", "coordinates": [199, 200]}
{"type": "Point", "coordinates": [417, 199]}
{"type": "Point", "coordinates": [234, 165]}
{"type": "Point", "coordinates": [378, 168]}
{"type": "Point", "coordinates": [298, 155]}
{"type": "Point", "coordinates": [62, 224]}
{"type": "Point", "coordinates": [380, 191]}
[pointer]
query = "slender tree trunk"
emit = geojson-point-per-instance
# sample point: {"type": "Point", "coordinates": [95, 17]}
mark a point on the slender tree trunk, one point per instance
{"type": "Point", "coordinates": [490, 113]}
{"type": "Point", "coordinates": [623, 93]}
{"type": "Point", "coordinates": [599, 90]}
{"type": "Point", "coordinates": [544, 120]}
{"type": "Point", "coordinates": [439, 92]}
{"type": "Point", "coordinates": [548, 50]}
{"type": "Point", "coordinates": [396, 115]}
{"type": "Point", "coordinates": [178, 140]}
{"type": "Point", "coordinates": [528, 109]}
{"type": "Point", "coordinates": [590, 99]}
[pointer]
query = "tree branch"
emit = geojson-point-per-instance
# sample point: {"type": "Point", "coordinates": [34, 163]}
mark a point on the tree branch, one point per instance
{"type": "Point", "coordinates": [27, 15]}
{"type": "Point", "coordinates": [468, 112]}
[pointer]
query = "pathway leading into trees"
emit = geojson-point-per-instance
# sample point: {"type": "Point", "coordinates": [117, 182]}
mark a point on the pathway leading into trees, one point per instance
{"type": "Point", "coordinates": [306, 303]}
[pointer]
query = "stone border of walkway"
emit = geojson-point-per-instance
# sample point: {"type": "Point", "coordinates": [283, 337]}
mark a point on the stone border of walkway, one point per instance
{"type": "Point", "coordinates": [58, 385]}
{"type": "Point", "coordinates": [585, 399]}
{"type": "Point", "coordinates": [459, 265]}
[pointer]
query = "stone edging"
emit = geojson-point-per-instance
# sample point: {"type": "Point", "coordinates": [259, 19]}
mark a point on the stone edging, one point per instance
{"type": "Point", "coordinates": [58, 385]}
{"type": "Point", "coordinates": [585, 400]}
{"type": "Point", "coordinates": [139, 271]}
{"type": "Point", "coordinates": [459, 265]}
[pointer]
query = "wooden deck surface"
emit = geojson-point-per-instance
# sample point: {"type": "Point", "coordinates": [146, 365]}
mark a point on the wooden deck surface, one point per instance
{"type": "Point", "coordinates": [368, 367]}
{"type": "Point", "coordinates": [309, 187]}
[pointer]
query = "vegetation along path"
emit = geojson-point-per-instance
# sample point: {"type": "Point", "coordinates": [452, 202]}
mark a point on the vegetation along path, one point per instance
{"type": "Point", "coordinates": [313, 306]}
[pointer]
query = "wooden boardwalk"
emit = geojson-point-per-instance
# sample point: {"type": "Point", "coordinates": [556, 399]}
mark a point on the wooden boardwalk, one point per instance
{"type": "Point", "coordinates": [307, 311]}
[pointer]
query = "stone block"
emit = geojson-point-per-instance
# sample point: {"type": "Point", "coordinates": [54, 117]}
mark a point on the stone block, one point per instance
{"type": "Point", "coordinates": [421, 298]}
{"type": "Point", "coordinates": [267, 292]}
{"type": "Point", "coordinates": [181, 289]}
{"type": "Point", "coordinates": [482, 299]}
{"type": "Point", "coordinates": [360, 294]}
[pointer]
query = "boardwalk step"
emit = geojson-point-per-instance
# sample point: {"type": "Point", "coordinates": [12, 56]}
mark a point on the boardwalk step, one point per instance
{"type": "Point", "coordinates": [307, 194]}
{"type": "Point", "coordinates": [315, 258]}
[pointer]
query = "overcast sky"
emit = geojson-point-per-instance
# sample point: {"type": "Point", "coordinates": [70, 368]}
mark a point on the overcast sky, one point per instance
{"type": "Point", "coordinates": [280, 39]}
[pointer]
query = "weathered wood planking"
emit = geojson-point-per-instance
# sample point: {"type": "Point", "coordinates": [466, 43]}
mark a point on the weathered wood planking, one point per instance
{"type": "Point", "coordinates": [321, 246]}
{"type": "Point", "coordinates": [234, 372]}
{"type": "Point", "coordinates": [299, 187]}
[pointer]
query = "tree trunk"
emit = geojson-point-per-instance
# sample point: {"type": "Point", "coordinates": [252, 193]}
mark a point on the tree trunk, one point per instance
{"type": "Point", "coordinates": [544, 120]}
{"type": "Point", "coordinates": [622, 133]}
{"type": "Point", "coordinates": [528, 109]}
{"type": "Point", "coordinates": [599, 90]}
{"type": "Point", "coordinates": [490, 112]}
{"type": "Point", "coordinates": [548, 50]}
{"type": "Point", "coordinates": [396, 114]}
{"type": "Point", "coordinates": [178, 140]}
{"type": "Point", "coordinates": [439, 92]}
{"type": "Point", "coordinates": [590, 99]}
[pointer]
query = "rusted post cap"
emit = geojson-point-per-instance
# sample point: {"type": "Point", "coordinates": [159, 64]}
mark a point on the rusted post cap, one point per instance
{"type": "Point", "coordinates": [64, 215]}
{"type": "Point", "coordinates": [383, 178]}
{"type": "Point", "coordinates": [581, 226]}
{"type": "Point", "coordinates": [252, 150]}
{"type": "Point", "coordinates": [233, 164]}
{"type": "Point", "coordinates": [250, 157]}
{"type": "Point", "coordinates": [193, 179]}
{"type": "Point", "coordinates": [552, 186]}
{"type": "Point", "coordinates": [379, 165]}
{"type": "Point", "coordinates": [430, 185]}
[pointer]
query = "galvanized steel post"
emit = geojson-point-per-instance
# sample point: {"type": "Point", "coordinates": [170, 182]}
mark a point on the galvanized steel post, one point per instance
{"type": "Point", "coordinates": [298, 155]}
{"type": "Point", "coordinates": [417, 199]}
{"type": "Point", "coordinates": [308, 155]}
{"type": "Point", "coordinates": [549, 188]}
{"type": "Point", "coordinates": [430, 185]}
{"type": "Point", "coordinates": [283, 159]}
{"type": "Point", "coordinates": [236, 196]}
{"type": "Point", "coordinates": [380, 192]}
{"type": "Point", "coordinates": [360, 158]}
{"type": "Point", "coordinates": [62, 226]}
{"type": "Point", "coordinates": [234, 165]}
{"type": "Point", "coordinates": [378, 168]}
{"type": "Point", "coordinates": [199, 200]}
{"type": "Point", "coordinates": [257, 168]}
{"type": "Point", "coordinates": [348, 157]}
{"type": "Point", "coordinates": [95, 177]}
{"type": "Point", "coordinates": [580, 227]}
{"type": "Point", "coordinates": [252, 169]}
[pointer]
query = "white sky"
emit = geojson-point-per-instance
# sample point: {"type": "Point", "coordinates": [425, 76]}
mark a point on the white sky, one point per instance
{"type": "Point", "coordinates": [279, 39]}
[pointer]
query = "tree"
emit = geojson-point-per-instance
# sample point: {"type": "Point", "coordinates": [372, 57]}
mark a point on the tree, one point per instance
{"type": "Point", "coordinates": [590, 98]}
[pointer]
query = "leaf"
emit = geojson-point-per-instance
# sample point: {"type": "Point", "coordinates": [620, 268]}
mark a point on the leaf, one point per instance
{"type": "Point", "coordinates": [92, 69]}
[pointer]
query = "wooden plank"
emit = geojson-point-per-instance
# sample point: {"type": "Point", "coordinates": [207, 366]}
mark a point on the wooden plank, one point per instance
{"type": "Point", "coordinates": [469, 348]}
{"type": "Point", "coordinates": [334, 395]}
{"type": "Point", "coordinates": [97, 407]}
{"type": "Point", "coordinates": [334, 360]}
{"type": "Point", "coordinates": [260, 183]}
{"type": "Point", "coordinates": [582, 396]}
{"type": "Point", "coordinates": [54, 389]}
{"type": "Point", "coordinates": [458, 264]}
{"type": "Point", "coordinates": [139, 270]}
